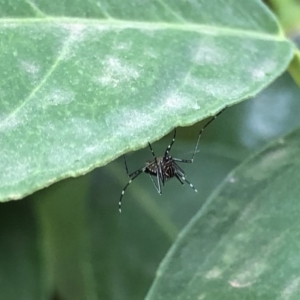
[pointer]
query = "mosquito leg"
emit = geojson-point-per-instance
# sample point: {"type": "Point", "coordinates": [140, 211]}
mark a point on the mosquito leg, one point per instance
{"type": "Point", "coordinates": [179, 170]}
{"type": "Point", "coordinates": [134, 175]}
{"type": "Point", "coordinates": [179, 179]}
{"type": "Point", "coordinates": [158, 185]}
{"type": "Point", "coordinates": [201, 131]}
{"type": "Point", "coordinates": [171, 144]}
{"type": "Point", "coordinates": [130, 175]}
{"type": "Point", "coordinates": [158, 168]}
{"type": "Point", "coordinates": [153, 154]}
{"type": "Point", "coordinates": [179, 173]}
{"type": "Point", "coordinates": [125, 162]}
{"type": "Point", "coordinates": [189, 161]}
{"type": "Point", "coordinates": [186, 161]}
{"type": "Point", "coordinates": [190, 184]}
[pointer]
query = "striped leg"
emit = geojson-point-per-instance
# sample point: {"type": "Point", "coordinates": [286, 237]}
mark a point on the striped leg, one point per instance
{"type": "Point", "coordinates": [125, 162]}
{"type": "Point", "coordinates": [131, 174]}
{"type": "Point", "coordinates": [190, 184]}
{"type": "Point", "coordinates": [179, 178]}
{"type": "Point", "coordinates": [180, 175]}
{"type": "Point", "coordinates": [189, 161]}
{"type": "Point", "coordinates": [132, 177]}
{"type": "Point", "coordinates": [171, 144]}
{"type": "Point", "coordinates": [200, 133]}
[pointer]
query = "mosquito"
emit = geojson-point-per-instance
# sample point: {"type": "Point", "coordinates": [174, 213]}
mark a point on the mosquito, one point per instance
{"type": "Point", "coordinates": [165, 167]}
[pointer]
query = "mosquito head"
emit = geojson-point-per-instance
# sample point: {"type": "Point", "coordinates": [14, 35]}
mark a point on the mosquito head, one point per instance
{"type": "Point", "coordinates": [167, 158]}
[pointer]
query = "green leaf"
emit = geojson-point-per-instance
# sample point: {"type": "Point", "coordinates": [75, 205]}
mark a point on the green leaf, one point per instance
{"type": "Point", "coordinates": [244, 242]}
{"type": "Point", "coordinates": [21, 266]}
{"type": "Point", "coordinates": [83, 83]}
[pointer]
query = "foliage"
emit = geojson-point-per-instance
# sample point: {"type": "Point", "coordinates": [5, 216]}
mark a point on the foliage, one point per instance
{"type": "Point", "coordinates": [83, 84]}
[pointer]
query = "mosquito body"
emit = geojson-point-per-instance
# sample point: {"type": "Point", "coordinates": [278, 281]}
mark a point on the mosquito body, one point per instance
{"type": "Point", "coordinates": [164, 167]}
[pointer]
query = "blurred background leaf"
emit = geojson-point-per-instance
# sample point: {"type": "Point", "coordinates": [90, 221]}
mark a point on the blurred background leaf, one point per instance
{"type": "Point", "coordinates": [244, 241]}
{"type": "Point", "coordinates": [61, 213]}
{"type": "Point", "coordinates": [288, 12]}
{"type": "Point", "coordinates": [22, 273]}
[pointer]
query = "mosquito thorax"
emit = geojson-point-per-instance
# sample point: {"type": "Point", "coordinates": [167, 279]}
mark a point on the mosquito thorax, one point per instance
{"type": "Point", "coordinates": [167, 158]}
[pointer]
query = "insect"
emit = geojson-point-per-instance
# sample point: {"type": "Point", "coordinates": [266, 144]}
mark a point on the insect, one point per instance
{"type": "Point", "coordinates": [165, 167]}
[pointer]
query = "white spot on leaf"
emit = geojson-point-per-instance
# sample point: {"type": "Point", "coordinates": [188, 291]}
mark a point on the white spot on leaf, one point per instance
{"type": "Point", "coordinates": [179, 101]}
{"type": "Point", "coordinates": [116, 71]}
{"type": "Point", "coordinates": [237, 284]}
{"type": "Point", "coordinates": [207, 52]}
{"type": "Point", "coordinates": [123, 46]}
{"type": "Point", "coordinates": [213, 273]}
{"type": "Point", "coordinates": [249, 274]}
{"type": "Point", "coordinates": [232, 180]}
{"type": "Point", "coordinates": [291, 289]}
{"type": "Point", "coordinates": [30, 67]}
{"type": "Point", "coordinates": [201, 297]}
{"type": "Point", "coordinates": [60, 96]}
{"type": "Point", "coordinates": [262, 70]}
{"type": "Point", "coordinates": [8, 123]}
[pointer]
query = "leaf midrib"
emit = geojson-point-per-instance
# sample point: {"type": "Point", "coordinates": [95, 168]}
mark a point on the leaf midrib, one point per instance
{"type": "Point", "coordinates": [110, 24]}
